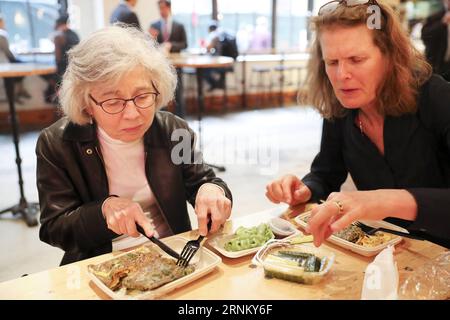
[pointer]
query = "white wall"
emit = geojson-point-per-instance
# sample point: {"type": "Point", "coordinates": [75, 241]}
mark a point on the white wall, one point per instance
{"type": "Point", "coordinates": [147, 11]}
{"type": "Point", "coordinates": [86, 16]}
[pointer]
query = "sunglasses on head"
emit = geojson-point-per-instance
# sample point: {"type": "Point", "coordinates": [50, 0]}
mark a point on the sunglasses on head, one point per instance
{"type": "Point", "coordinates": [329, 7]}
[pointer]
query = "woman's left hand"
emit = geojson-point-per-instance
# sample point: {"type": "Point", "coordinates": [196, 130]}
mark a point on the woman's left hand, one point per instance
{"type": "Point", "coordinates": [211, 203]}
{"type": "Point", "coordinates": [343, 208]}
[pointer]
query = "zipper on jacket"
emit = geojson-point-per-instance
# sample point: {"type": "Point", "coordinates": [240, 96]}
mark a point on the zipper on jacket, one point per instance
{"type": "Point", "coordinates": [105, 176]}
{"type": "Point", "coordinates": [156, 198]}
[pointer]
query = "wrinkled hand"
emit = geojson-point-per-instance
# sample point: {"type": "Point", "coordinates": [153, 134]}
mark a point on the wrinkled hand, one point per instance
{"type": "Point", "coordinates": [210, 201]}
{"type": "Point", "coordinates": [327, 219]}
{"type": "Point", "coordinates": [122, 214]}
{"type": "Point", "coordinates": [288, 189]}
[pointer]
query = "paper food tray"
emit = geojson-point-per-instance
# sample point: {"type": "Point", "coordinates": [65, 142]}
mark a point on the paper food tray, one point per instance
{"type": "Point", "coordinates": [206, 262]}
{"type": "Point", "coordinates": [365, 251]}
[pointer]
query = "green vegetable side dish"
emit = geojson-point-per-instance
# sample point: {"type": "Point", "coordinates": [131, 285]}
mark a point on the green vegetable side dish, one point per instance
{"type": "Point", "coordinates": [247, 238]}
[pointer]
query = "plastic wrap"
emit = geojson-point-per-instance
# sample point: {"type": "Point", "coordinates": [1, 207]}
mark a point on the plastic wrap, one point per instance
{"type": "Point", "coordinates": [430, 281]}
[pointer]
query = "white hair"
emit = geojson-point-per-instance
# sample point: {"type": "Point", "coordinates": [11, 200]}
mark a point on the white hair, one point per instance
{"type": "Point", "coordinates": [105, 57]}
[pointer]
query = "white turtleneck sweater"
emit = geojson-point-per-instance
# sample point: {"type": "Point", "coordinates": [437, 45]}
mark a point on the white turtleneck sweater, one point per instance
{"type": "Point", "coordinates": [125, 169]}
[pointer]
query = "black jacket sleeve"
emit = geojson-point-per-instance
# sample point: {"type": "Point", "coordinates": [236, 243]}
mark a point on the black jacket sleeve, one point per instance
{"type": "Point", "coordinates": [433, 205]}
{"type": "Point", "coordinates": [328, 170]}
{"type": "Point", "coordinates": [66, 221]}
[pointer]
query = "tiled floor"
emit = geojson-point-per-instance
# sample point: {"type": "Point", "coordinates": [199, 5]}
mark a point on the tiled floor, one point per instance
{"type": "Point", "coordinates": [255, 146]}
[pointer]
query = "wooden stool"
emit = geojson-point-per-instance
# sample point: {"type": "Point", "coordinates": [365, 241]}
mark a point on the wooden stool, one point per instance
{"type": "Point", "coordinates": [285, 72]}
{"type": "Point", "coordinates": [264, 81]}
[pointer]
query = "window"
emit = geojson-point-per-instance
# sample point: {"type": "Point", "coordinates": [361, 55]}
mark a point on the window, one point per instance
{"type": "Point", "coordinates": [30, 23]}
{"type": "Point", "coordinates": [195, 15]}
{"type": "Point", "coordinates": [292, 20]}
{"type": "Point", "coordinates": [251, 23]}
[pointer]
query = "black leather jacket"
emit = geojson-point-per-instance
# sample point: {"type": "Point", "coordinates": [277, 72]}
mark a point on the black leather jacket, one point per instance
{"type": "Point", "coordinates": [72, 184]}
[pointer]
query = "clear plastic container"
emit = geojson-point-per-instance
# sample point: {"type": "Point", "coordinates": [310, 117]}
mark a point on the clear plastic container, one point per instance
{"type": "Point", "coordinates": [282, 228]}
{"type": "Point", "coordinates": [294, 273]}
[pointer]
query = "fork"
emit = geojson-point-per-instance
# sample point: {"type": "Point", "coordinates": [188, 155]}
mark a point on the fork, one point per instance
{"type": "Point", "coordinates": [190, 249]}
{"type": "Point", "coordinates": [371, 230]}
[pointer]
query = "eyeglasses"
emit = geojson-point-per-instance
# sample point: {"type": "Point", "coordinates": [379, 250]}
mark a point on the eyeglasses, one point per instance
{"type": "Point", "coordinates": [329, 7]}
{"type": "Point", "coordinates": [117, 105]}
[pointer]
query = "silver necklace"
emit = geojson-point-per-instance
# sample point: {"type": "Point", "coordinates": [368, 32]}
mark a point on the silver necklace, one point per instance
{"type": "Point", "coordinates": [360, 123]}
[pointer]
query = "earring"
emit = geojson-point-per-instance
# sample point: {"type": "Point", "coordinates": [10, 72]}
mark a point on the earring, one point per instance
{"type": "Point", "coordinates": [89, 114]}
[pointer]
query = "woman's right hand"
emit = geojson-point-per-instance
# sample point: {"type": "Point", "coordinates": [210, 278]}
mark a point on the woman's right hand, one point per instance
{"type": "Point", "coordinates": [288, 189]}
{"type": "Point", "coordinates": [122, 214]}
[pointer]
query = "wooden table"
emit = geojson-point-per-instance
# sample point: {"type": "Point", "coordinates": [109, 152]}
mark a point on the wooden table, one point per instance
{"type": "Point", "coordinates": [199, 63]}
{"type": "Point", "coordinates": [233, 279]}
{"type": "Point", "coordinates": [8, 71]}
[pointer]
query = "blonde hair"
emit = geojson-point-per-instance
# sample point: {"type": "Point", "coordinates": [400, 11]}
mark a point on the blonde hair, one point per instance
{"type": "Point", "coordinates": [105, 57]}
{"type": "Point", "coordinates": [408, 69]}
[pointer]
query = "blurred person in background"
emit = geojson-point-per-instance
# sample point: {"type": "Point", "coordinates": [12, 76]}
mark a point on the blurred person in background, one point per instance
{"type": "Point", "coordinates": [219, 43]}
{"type": "Point", "coordinates": [172, 36]}
{"type": "Point", "coordinates": [436, 38]}
{"type": "Point", "coordinates": [64, 40]}
{"type": "Point", "coordinates": [168, 32]}
{"type": "Point", "coordinates": [261, 40]}
{"type": "Point", "coordinates": [124, 13]}
{"type": "Point", "coordinates": [7, 56]}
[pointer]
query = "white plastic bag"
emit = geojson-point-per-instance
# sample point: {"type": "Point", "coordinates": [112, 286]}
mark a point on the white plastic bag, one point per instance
{"type": "Point", "coordinates": [381, 277]}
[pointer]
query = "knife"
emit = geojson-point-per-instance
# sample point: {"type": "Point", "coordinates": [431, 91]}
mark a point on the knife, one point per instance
{"type": "Point", "coordinates": [402, 234]}
{"type": "Point", "coordinates": [159, 243]}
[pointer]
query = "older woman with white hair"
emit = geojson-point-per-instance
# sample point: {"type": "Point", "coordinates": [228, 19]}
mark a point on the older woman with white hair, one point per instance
{"type": "Point", "coordinates": [108, 164]}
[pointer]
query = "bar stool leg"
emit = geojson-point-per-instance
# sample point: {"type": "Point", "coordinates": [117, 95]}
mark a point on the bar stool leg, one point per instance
{"type": "Point", "coordinates": [201, 108]}
{"type": "Point", "coordinates": [29, 211]}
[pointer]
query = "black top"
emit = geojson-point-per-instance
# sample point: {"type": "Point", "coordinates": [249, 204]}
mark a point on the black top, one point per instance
{"type": "Point", "coordinates": [416, 158]}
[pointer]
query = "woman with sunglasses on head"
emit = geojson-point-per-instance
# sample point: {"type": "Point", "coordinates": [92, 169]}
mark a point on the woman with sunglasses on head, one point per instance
{"type": "Point", "coordinates": [111, 158]}
{"type": "Point", "coordinates": [386, 123]}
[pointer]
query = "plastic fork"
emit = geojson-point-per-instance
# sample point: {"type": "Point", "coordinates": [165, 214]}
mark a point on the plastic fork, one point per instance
{"type": "Point", "coordinates": [371, 230]}
{"type": "Point", "coordinates": [190, 249]}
